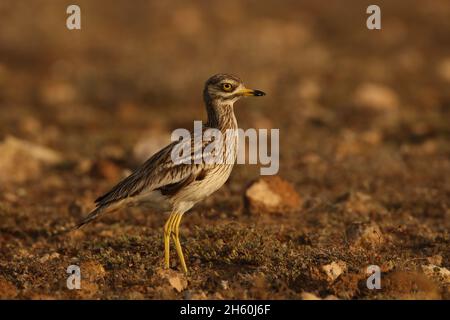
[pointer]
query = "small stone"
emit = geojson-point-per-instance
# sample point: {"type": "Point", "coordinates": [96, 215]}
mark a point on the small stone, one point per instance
{"type": "Point", "coordinates": [334, 270]}
{"type": "Point", "coordinates": [176, 280]}
{"type": "Point", "coordinates": [309, 296]}
{"type": "Point", "coordinates": [365, 235]}
{"type": "Point", "coordinates": [54, 255]}
{"type": "Point", "coordinates": [46, 257]}
{"type": "Point", "coordinates": [437, 273]}
{"type": "Point", "coordinates": [178, 283]}
{"type": "Point", "coordinates": [376, 97]}
{"type": "Point", "coordinates": [224, 284]}
{"type": "Point", "coordinates": [25, 159]}
{"type": "Point", "coordinates": [273, 195]}
{"type": "Point", "coordinates": [92, 271]}
{"type": "Point", "coordinates": [362, 204]}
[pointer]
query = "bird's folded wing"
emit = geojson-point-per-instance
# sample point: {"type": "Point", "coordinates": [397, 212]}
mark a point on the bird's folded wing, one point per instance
{"type": "Point", "coordinates": [158, 172]}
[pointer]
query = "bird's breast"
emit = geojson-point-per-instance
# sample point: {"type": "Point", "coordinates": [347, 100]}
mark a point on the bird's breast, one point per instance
{"type": "Point", "coordinates": [198, 190]}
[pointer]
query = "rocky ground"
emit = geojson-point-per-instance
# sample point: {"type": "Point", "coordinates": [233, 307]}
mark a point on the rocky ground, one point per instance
{"type": "Point", "coordinates": [364, 149]}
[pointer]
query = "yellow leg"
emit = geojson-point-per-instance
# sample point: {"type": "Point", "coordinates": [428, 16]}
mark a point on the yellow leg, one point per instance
{"type": "Point", "coordinates": [167, 231]}
{"type": "Point", "coordinates": [176, 239]}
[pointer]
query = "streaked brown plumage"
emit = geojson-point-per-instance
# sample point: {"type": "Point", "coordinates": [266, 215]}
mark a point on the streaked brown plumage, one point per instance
{"type": "Point", "coordinates": [176, 187]}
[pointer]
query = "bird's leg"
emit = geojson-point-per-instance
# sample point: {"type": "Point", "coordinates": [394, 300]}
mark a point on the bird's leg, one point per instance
{"type": "Point", "coordinates": [176, 239]}
{"type": "Point", "coordinates": [167, 232]}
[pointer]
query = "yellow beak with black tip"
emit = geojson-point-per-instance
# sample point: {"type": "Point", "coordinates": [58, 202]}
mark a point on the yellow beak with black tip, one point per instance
{"type": "Point", "coordinates": [251, 92]}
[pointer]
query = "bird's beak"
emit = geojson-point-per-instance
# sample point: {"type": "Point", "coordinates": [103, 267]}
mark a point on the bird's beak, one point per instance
{"type": "Point", "coordinates": [250, 92]}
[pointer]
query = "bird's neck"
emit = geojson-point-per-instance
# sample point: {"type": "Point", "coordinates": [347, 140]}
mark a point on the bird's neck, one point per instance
{"type": "Point", "coordinates": [220, 115]}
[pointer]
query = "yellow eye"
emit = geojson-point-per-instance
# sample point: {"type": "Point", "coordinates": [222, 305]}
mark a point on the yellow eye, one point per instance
{"type": "Point", "coordinates": [227, 87]}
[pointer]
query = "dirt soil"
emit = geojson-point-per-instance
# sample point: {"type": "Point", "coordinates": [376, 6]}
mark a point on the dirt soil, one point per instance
{"type": "Point", "coordinates": [364, 140]}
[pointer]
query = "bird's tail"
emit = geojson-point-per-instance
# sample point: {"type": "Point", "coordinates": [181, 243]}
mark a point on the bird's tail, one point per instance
{"type": "Point", "coordinates": [91, 216]}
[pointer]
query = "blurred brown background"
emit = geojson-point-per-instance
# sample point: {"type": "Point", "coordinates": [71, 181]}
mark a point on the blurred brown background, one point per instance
{"type": "Point", "coordinates": [364, 128]}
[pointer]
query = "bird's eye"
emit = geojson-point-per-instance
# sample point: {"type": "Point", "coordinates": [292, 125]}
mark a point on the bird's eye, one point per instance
{"type": "Point", "coordinates": [227, 87]}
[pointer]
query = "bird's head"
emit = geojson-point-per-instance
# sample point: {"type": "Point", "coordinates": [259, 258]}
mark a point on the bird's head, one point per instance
{"type": "Point", "coordinates": [227, 89]}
